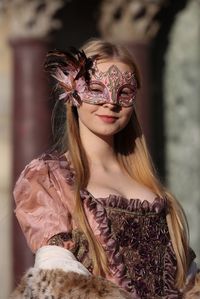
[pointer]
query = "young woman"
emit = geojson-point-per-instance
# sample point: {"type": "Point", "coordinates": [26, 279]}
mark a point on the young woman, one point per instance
{"type": "Point", "coordinates": [96, 205]}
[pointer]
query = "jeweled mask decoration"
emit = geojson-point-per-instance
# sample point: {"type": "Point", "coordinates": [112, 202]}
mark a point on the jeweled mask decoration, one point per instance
{"type": "Point", "coordinates": [112, 86]}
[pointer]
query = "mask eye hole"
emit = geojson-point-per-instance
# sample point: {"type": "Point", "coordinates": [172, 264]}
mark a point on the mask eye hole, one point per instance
{"type": "Point", "coordinates": [96, 87]}
{"type": "Point", "coordinates": [126, 92]}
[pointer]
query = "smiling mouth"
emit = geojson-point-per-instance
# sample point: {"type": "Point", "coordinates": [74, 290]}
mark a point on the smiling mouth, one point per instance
{"type": "Point", "coordinates": [107, 118]}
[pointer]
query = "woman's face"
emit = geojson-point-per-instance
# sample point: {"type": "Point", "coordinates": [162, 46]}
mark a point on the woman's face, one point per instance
{"type": "Point", "coordinates": [108, 118]}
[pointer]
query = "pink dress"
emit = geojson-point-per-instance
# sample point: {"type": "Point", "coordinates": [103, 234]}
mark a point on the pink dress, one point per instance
{"type": "Point", "coordinates": [134, 233]}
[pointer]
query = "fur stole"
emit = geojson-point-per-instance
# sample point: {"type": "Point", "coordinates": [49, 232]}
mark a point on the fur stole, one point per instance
{"type": "Point", "coordinates": [57, 284]}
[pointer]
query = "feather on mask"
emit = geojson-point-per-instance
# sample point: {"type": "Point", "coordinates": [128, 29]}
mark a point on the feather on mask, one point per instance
{"type": "Point", "coordinates": [71, 70]}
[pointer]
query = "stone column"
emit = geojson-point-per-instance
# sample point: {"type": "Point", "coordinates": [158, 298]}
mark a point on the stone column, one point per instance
{"type": "Point", "coordinates": [182, 121]}
{"type": "Point", "coordinates": [31, 128]}
{"type": "Point", "coordinates": [30, 24]}
{"type": "Point", "coordinates": [133, 24]}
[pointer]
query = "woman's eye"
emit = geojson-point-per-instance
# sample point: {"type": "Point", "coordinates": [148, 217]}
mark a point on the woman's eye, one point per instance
{"type": "Point", "coordinates": [126, 92]}
{"type": "Point", "coordinates": [95, 88]}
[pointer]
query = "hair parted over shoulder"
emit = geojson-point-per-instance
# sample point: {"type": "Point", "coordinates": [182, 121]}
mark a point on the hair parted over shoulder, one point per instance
{"type": "Point", "coordinates": [133, 156]}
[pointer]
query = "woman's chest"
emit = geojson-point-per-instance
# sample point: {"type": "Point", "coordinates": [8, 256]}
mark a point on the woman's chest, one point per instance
{"type": "Point", "coordinates": [103, 184]}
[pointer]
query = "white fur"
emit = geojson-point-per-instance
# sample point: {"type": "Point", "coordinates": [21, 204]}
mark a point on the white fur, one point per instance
{"type": "Point", "coordinates": [55, 257]}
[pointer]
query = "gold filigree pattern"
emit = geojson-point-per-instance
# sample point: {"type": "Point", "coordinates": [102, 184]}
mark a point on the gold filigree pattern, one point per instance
{"type": "Point", "coordinates": [78, 246]}
{"type": "Point", "coordinates": [60, 239]}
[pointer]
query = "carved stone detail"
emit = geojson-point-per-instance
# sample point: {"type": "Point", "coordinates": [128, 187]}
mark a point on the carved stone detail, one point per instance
{"type": "Point", "coordinates": [31, 19]}
{"type": "Point", "coordinates": [130, 20]}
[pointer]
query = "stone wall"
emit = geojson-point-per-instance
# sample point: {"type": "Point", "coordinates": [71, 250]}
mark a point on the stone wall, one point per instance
{"type": "Point", "coordinates": [182, 110]}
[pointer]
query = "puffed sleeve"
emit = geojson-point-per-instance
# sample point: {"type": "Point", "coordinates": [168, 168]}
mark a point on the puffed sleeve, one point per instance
{"type": "Point", "coordinates": [42, 200]}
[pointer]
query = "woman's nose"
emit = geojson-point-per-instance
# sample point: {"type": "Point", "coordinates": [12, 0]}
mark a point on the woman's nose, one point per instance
{"type": "Point", "coordinates": [113, 106]}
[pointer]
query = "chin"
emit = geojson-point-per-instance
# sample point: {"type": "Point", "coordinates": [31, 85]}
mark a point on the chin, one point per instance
{"type": "Point", "coordinates": [106, 133]}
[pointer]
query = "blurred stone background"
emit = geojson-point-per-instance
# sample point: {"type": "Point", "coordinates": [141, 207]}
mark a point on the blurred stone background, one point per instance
{"type": "Point", "coordinates": [163, 35]}
{"type": "Point", "coordinates": [6, 161]}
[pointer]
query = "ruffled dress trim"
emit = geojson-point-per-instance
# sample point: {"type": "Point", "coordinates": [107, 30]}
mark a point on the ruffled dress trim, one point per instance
{"type": "Point", "coordinates": [132, 205]}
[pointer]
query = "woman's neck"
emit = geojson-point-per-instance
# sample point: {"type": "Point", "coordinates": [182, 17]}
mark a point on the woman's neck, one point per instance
{"type": "Point", "coordinates": [99, 149]}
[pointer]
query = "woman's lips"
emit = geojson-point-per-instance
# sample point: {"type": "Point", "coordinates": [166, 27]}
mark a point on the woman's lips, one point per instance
{"type": "Point", "coordinates": [107, 118]}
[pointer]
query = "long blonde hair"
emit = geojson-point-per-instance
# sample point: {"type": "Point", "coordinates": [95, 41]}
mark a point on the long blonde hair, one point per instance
{"type": "Point", "coordinates": [134, 158]}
